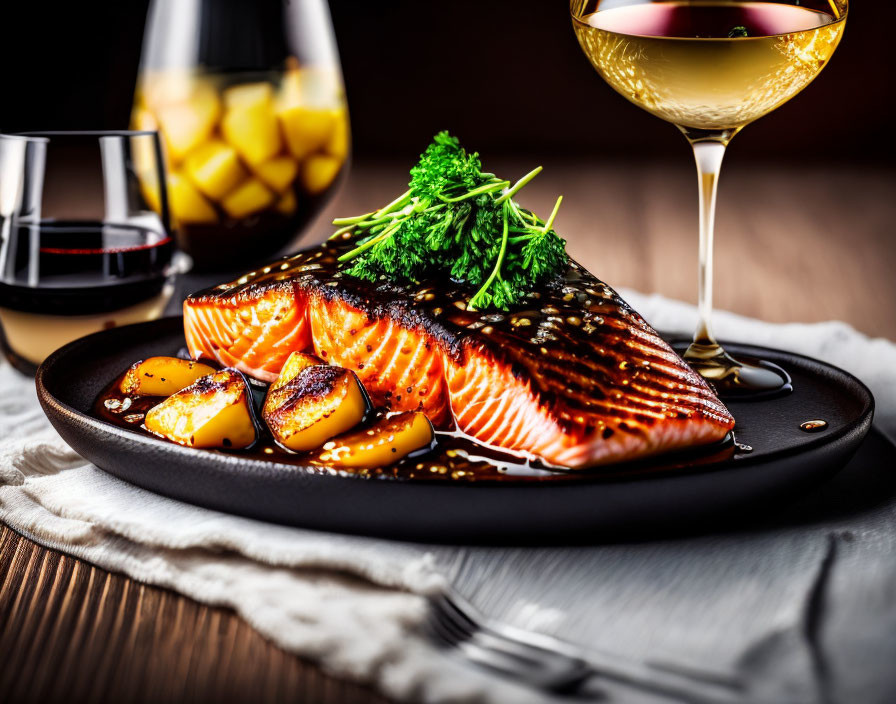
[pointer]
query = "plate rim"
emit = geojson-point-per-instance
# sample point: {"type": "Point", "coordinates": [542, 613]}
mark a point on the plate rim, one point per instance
{"type": "Point", "coordinates": [578, 477]}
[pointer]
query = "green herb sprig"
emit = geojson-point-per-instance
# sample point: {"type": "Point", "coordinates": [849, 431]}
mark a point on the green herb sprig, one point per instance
{"type": "Point", "coordinates": [457, 220]}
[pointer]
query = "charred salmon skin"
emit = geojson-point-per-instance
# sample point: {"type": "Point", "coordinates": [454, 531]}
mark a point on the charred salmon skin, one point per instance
{"type": "Point", "coordinates": [574, 378]}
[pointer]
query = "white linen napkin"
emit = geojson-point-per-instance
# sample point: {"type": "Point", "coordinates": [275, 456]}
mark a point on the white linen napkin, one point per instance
{"type": "Point", "coordinates": [353, 603]}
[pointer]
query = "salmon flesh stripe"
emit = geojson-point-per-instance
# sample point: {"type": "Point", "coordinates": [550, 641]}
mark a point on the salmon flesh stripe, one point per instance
{"type": "Point", "coordinates": [574, 377]}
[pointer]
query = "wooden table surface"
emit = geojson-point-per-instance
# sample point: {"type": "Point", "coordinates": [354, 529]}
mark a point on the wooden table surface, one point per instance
{"type": "Point", "coordinates": [805, 244]}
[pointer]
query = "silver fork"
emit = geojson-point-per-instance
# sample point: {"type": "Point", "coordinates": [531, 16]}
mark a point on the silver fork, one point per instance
{"type": "Point", "coordinates": [555, 666]}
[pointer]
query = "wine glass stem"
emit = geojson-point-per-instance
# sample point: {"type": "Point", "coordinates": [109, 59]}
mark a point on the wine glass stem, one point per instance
{"type": "Point", "coordinates": [705, 355]}
{"type": "Point", "coordinates": [709, 150]}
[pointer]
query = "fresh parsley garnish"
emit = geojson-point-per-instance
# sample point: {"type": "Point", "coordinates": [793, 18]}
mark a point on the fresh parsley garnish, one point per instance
{"type": "Point", "coordinates": [459, 221]}
{"type": "Point", "coordinates": [739, 31]}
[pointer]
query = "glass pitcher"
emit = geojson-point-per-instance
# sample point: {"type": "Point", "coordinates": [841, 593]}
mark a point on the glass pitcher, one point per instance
{"type": "Point", "coordinates": [248, 98]}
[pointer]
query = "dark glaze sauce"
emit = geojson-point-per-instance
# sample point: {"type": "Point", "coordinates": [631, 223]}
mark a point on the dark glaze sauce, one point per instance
{"type": "Point", "coordinates": [452, 457]}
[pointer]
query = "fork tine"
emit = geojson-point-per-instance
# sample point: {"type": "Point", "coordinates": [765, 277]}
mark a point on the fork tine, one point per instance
{"type": "Point", "coordinates": [444, 633]}
{"type": "Point", "coordinates": [550, 664]}
{"type": "Point", "coordinates": [456, 627]}
{"type": "Point", "coordinates": [439, 615]}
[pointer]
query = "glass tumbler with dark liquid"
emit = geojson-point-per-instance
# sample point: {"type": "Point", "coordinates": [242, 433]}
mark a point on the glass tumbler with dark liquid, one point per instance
{"type": "Point", "coordinates": [82, 248]}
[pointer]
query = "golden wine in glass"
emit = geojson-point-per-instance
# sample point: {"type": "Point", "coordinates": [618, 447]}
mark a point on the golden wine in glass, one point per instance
{"type": "Point", "coordinates": [710, 67]}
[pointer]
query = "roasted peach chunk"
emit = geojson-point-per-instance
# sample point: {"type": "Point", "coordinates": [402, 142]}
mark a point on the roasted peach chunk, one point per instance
{"type": "Point", "coordinates": [215, 411]}
{"type": "Point", "coordinates": [162, 376]}
{"type": "Point", "coordinates": [381, 444]}
{"type": "Point", "coordinates": [295, 363]}
{"type": "Point", "coordinates": [319, 403]}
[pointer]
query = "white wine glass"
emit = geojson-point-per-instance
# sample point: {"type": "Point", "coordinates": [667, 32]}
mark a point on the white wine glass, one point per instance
{"type": "Point", "coordinates": [711, 67]}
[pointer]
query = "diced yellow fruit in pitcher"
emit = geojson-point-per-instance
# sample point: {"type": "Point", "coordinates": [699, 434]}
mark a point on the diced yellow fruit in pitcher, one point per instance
{"type": "Point", "coordinates": [247, 95]}
{"type": "Point", "coordinates": [337, 144]}
{"type": "Point", "coordinates": [187, 203]}
{"type": "Point", "coordinates": [212, 412]}
{"type": "Point", "coordinates": [167, 87]}
{"type": "Point", "coordinates": [143, 149]}
{"type": "Point", "coordinates": [278, 172]}
{"type": "Point", "coordinates": [253, 131]}
{"type": "Point", "coordinates": [290, 93]}
{"type": "Point", "coordinates": [311, 86]}
{"type": "Point", "coordinates": [187, 124]}
{"type": "Point", "coordinates": [383, 443]}
{"type": "Point", "coordinates": [215, 169]}
{"type": "Point", "coordinates": [318, 172]}
{"type": "Point", "coordinates": [143, 119]}
{"type": "Point", "coordinates": [162, 376]}
{"type": "Point", "coordinates": [149, 187]}
{"type": "Point", "coordinates": [287, 204]}
{"type": "Point", "coordinates": [319, 403]}
{"type": "Point", "coordinates": [249, 198]}
{"type": "Point", "coordinates": [306, 130]}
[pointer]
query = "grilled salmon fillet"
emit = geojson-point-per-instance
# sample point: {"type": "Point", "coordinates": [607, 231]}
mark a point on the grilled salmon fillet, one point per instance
{"type": "Point", "coordinates": [574, 378]}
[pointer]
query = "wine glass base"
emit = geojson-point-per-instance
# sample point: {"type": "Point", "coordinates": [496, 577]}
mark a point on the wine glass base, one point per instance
{"type": "Point", "coordinates": [733, 378]}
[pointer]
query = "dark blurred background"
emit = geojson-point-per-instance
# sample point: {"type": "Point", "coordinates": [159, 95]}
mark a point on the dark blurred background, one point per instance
{"type": "Point", "coordinates": [504, 76]}
{"type": "Point", "coordinates": [806, 210]}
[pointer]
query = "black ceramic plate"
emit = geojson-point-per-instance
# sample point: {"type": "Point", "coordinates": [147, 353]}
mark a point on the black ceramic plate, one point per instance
{"type": "Point", "coordinates": [583, 504]}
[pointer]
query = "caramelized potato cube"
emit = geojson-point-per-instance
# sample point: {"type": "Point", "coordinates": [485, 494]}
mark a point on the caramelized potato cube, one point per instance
{"type": "Point", "coordinates": [185, 125]}
{"type": "Point", "coordinates": [252, 130]}
{"type": "Point", "coordinates": [187, 203]}
{"type": "Point", "coordinates": [278, 173]}
{"type": "Point", "coordinates": [215, 169]}
{"type": "Point", "coordinates": [295, 363]}
{"type": "Point", "coordinates": [318, 172]}
{"type": "Point", "coordinates": [215, 411]}
{"type": "Point", "coordinates": [162, 376]}
{"type": "Point", "coordinates": [249, 198]}
{"type": "Point", "coordinates": [306, 130]}
{"type": "Point", "coordinates": [383, 443]}
{"type": "Point", "coordinates": [287, 204]}
{"type": "Point", "coordinates": [319, 403]}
